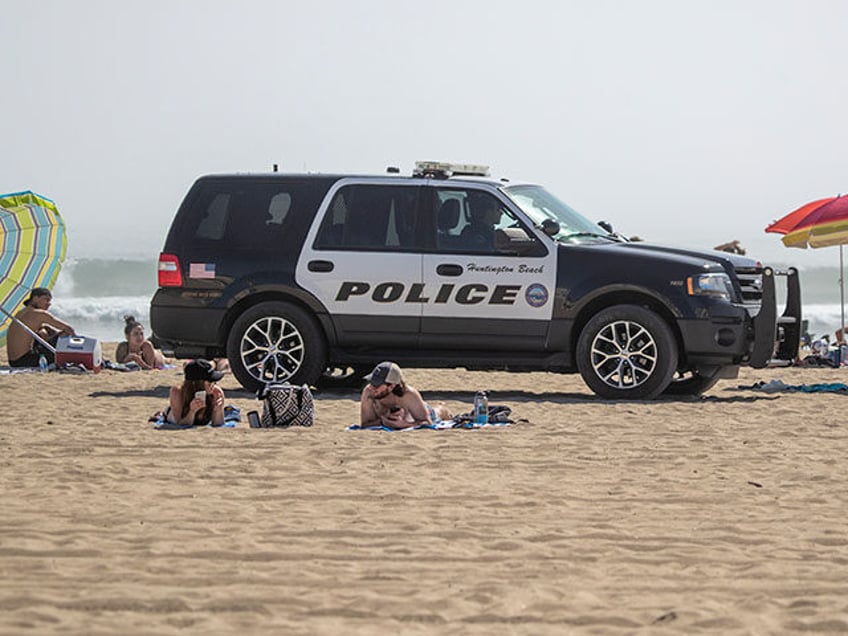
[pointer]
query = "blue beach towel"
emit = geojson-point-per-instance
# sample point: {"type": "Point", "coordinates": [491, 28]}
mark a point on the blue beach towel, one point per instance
{"type": "Point", "coordinates": [778, 386]}
{"type": "Point", "coordinates": [232, 416]}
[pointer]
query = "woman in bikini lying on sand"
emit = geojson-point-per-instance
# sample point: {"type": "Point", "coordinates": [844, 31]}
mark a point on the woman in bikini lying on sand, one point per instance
{"type": "Point", "coordinates": [136, 348]}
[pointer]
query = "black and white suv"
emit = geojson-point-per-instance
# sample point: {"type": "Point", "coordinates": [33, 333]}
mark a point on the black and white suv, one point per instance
{"type": "Point", "coordinates": [296, 276]}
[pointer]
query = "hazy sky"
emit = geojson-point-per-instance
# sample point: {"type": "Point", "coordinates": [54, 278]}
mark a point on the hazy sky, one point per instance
{"type": "Point", "coordinates": [689, 122]}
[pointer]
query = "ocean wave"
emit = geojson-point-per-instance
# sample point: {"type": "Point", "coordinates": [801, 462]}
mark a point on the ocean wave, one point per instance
{"type": "Point", "coordinates": [105, 277]}
{"type": "Point", "coordinates": [102, 317]}
{"type": "Point", "coordinates": [823, 319]}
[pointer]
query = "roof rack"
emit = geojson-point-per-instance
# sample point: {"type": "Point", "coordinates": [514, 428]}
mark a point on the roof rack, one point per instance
{"type": "Point", "coordinates": [443, 170]}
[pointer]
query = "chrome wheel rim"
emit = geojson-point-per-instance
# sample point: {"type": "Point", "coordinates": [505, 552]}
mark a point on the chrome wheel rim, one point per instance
{"type": "Point", "coordinates": [272, 349]}
{"type": "Point", "coordinates": [624, 354]}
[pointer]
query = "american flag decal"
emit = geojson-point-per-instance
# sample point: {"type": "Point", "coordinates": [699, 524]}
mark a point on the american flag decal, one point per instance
{"type": "Point", "coordinates": [201, 270]}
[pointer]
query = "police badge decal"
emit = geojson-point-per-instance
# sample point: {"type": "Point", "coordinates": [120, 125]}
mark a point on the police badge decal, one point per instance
{"type": "Point", "coordinates": [536, 295]}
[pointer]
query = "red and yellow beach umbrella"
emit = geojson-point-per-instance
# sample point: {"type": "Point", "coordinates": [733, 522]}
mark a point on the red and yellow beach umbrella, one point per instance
{"type": "Point", "coordinates": [820, 223]}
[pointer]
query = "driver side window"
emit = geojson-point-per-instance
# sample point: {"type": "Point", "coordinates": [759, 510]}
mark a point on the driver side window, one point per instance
{"type": "Point", "coordinates": [475, 222]}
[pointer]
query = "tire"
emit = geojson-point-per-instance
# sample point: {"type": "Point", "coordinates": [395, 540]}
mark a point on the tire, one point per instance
{"type": "Point", "coordinates": [627, 352]}
{"type": "Point", "coordinates": [694, 384]}
{"type": "Point", "coordinates": [276, 342]}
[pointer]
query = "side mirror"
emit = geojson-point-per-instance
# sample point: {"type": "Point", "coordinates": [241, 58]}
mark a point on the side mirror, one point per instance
{"type": "Point", "coordinates": [607, 226]}
{"type": "Point", "coordinates": [514, 240]}
{"type": "Point", "coordinates": [550, 227]}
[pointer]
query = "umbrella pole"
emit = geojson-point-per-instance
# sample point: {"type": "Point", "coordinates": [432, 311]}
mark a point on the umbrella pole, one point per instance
{"type": "Point", "coordinates": [841, 297]}
{"type": "Point", "coordinates": [49, 346]}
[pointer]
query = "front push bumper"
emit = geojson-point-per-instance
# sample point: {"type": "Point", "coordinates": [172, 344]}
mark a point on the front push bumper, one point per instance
{"type": "Point", "coordinates": [776, 338]}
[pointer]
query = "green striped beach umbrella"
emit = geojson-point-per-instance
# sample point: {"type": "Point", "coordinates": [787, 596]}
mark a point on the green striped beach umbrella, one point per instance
{"type": "Point", "coordinates": [32, 249]}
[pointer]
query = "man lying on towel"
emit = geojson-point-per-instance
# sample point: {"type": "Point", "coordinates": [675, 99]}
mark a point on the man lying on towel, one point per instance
{"type": "Point", "coordinates": [389, 401]}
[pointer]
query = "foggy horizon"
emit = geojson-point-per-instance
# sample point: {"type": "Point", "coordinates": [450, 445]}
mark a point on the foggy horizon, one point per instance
{"type": "Point", "coordinates": [683, 123]}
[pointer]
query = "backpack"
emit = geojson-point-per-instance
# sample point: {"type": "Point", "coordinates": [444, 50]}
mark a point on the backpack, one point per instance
{"type": "Point", "coordinates": [498, 414]}
{"type": "Point", "coordinates": [286, 405]}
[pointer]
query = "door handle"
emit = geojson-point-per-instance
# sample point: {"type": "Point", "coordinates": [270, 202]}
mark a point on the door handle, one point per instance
{"type": "Point", "coordinates": [320, 266]}
{"type": "Point", "coordinates": [449, 269]}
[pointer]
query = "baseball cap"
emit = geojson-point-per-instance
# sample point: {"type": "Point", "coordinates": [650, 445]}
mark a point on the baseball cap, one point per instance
{"type": "Point", "coordinates": [385, 373]}
{"type": "Point", "coordinates": [201, 370]}
{"type": "Point", "coordinates": [36, 292]}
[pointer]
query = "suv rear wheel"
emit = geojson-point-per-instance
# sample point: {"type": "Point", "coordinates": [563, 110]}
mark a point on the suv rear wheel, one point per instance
{"type": "Point", "coordinates": [627, 352]}
{"type": "Point", "coordinates": [275, 342]}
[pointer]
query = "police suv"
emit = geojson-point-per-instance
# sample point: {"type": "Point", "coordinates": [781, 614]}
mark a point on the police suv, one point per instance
{"type": "Point", "coordinates": [293, 277]}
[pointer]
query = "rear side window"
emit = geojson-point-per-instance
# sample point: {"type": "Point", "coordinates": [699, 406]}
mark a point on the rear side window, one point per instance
{"type": "Point", "coordinates": [370, 217]}
{"type": "Point", "coordinates": [248, 214]}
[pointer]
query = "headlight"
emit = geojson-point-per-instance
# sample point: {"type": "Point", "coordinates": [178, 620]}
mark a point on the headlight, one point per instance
{"type": "Point", "coordinates": [714, 285]}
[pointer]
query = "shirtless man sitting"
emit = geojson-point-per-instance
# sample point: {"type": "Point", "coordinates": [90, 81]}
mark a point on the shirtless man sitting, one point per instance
{"type": "Point", "coordinates": [389, 401]}
{"type": "Point", "coordinates": [22, 348]}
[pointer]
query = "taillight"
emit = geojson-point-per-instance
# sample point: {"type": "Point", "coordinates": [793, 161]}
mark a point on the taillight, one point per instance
{"type": "Point", "coordinates": [169, 271]}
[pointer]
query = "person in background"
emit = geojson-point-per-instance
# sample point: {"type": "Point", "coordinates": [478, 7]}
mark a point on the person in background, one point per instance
{"type": "Point", "coordinates": [24, 350]}
{"type": "Point", "coordinates": [198, 400]}
{"type": "Point", "coordinates": [734, 247]}
{"type": "Point", "coordinates": [389, 401]}
{"type": "Point", "coordinates": [136, 348]}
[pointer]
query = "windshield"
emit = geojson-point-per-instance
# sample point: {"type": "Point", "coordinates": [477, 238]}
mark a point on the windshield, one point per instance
{"type": "Point", "coordinates": [539, 204]}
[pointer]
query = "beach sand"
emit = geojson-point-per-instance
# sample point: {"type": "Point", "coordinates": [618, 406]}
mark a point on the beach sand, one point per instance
{"type": "Point", "coordinates": [719, 515]}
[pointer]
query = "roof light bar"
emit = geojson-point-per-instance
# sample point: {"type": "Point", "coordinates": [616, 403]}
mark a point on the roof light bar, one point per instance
{"type": "Point", "coordinates": [443, 170]}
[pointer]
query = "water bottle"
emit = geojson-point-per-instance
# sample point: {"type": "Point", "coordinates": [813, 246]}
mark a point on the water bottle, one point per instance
{"type": "Point", "coordinates": [481, 408]}
{"type": "Point", "coordinates": [42, 363]}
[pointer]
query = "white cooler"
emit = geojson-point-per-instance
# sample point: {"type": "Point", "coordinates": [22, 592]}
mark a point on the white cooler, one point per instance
{"type": "Point", "coordinates": [79, 350]}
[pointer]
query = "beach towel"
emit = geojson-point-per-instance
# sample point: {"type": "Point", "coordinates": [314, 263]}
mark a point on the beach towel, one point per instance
{"type": "Point", "coordinates": [121, 366]}
{"type": "Point", "coordinates": [778, 386]}
{"type": "Point", "coordinates": [232, 416]}
{"type": "Point", "coordinates": [499, 415]}
{"type": "Point", "coordinates": [438, 426]}
{"type": "Point", "coordinates": [6, 370]}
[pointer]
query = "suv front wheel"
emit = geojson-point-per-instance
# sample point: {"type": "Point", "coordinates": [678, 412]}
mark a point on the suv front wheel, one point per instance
{"type": "Point", "coordinates": [275, 342]}
{"type": "Point", "coordinates": [627, 352]}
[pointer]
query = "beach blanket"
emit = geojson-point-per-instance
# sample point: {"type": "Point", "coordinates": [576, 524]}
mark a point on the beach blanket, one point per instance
{"type": "Point", "coordinates": [11, 370]}
{"type": "Point", "coordinates": [438, 426]}
{"type": "Point", "coordinates": [778, 386]}
{"type": "Point", "coordinates": [232, 416]}
{"type": "Point", "coordinates": [129, 366]}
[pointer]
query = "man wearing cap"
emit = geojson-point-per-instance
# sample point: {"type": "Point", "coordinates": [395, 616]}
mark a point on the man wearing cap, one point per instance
{"type": "Point", "coordinates": [24, 350]}
{"type": "Point", "coordinates": [389, 401]}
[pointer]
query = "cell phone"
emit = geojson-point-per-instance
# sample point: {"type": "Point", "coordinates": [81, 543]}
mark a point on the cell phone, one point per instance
{"type": "Point", "coordinates": [200, 395]}
{"type": "Point", "coordinates": [253, 419]}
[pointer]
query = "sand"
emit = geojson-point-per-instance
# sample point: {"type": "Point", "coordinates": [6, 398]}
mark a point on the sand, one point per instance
{"type": "Point", "coordinates": [719, 515]}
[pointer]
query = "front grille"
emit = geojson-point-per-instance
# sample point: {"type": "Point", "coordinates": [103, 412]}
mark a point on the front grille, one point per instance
{"type": "Point", "coordinates": [751, 283]}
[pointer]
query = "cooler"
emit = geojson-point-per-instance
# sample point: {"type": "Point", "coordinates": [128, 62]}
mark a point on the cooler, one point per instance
{"type": "Point", "coordinates": [79, 350]}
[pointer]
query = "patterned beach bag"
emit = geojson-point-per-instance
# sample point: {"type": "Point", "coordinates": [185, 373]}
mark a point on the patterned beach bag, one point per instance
{"type": "Point", "coordinates": [285, 405]}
